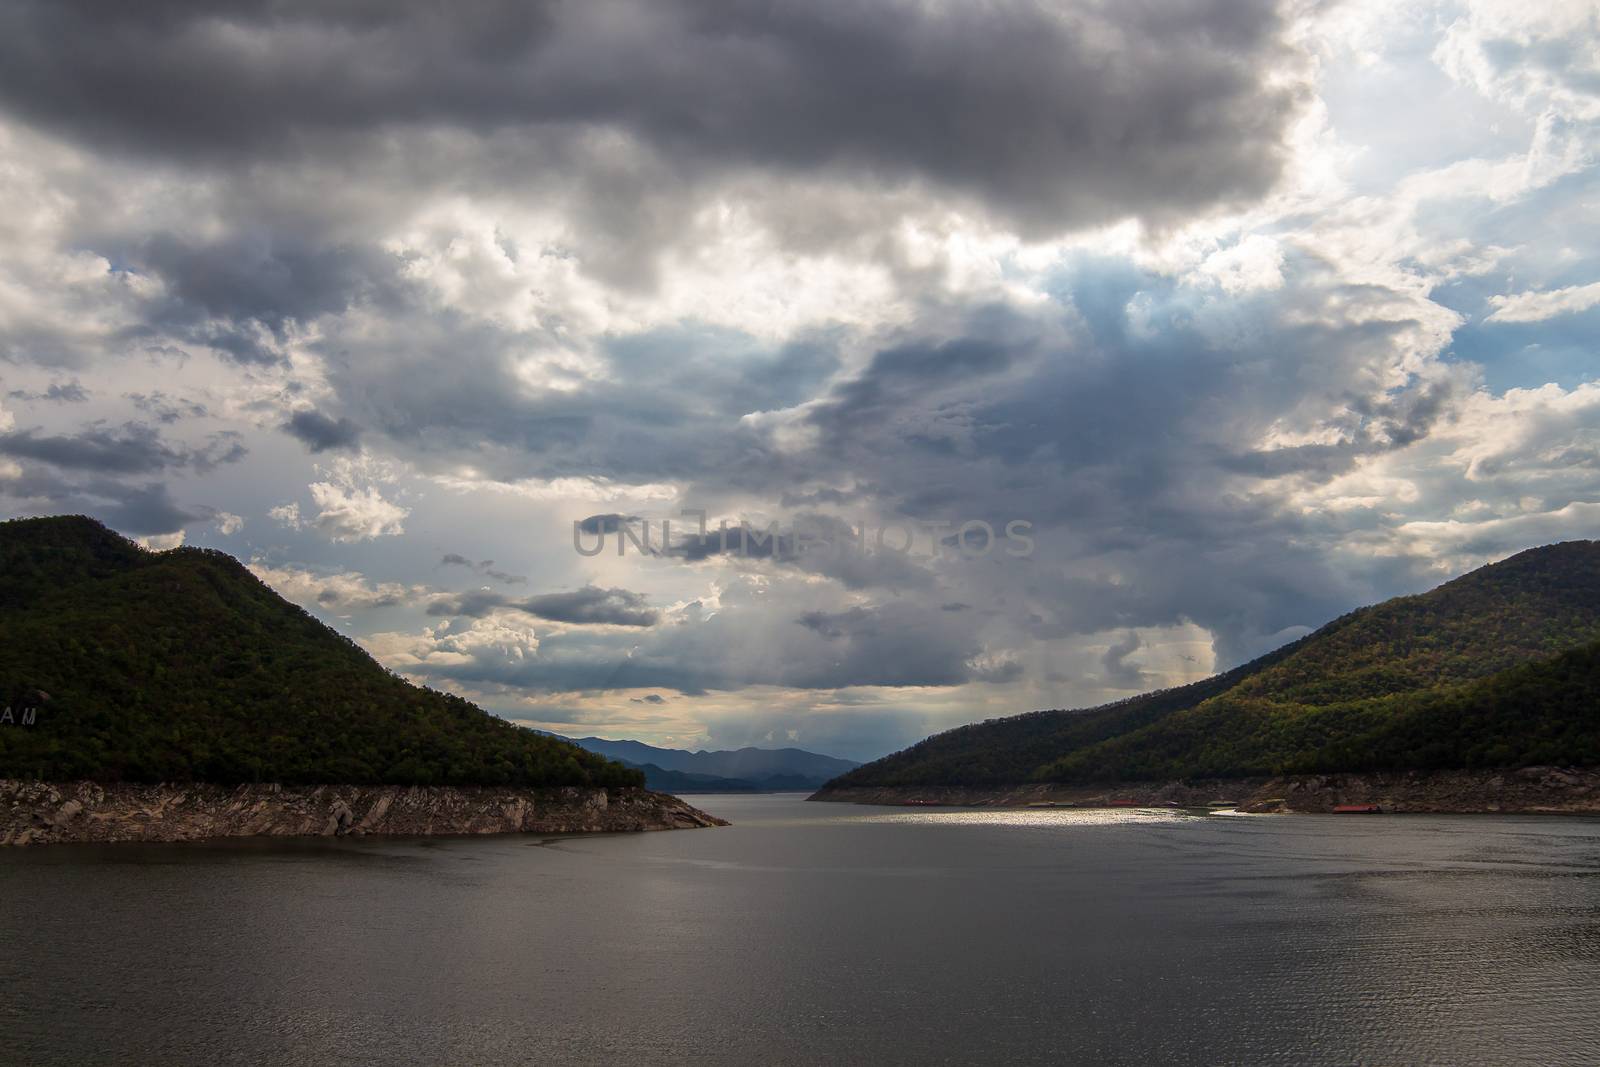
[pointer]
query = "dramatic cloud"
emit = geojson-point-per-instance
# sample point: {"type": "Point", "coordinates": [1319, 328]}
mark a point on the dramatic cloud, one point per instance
{"type": "Point", "coordinates": [322, 434]}
{"type": "Point", "coordinates": [1049, 116]}
{"type": "Point", "coordinates": [751, 641]}
{"type": "Point", "coordinates": [586, 606]}
{"type": "Point", "coordinates": [130, 449]}
{"type": "Point", "coordinates": [1246, 311]}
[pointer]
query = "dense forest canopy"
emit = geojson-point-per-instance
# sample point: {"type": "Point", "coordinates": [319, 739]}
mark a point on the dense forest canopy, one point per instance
{"type": "Point", "coordinates": [182, 665]}
{"type": "Point", "coordinates": [1498, 668]}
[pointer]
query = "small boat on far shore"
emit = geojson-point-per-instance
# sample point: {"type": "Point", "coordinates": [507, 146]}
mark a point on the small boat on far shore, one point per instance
{"type": "Point", "coordinates": [1357, 809]}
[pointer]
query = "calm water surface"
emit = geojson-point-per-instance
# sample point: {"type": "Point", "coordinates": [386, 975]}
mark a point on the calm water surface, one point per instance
{"type": "Point", "coordinates": [820, 933]}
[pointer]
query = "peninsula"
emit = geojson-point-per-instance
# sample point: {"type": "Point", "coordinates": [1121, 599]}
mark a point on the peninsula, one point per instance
{"type": "Point", "coordinates": [173, 696]}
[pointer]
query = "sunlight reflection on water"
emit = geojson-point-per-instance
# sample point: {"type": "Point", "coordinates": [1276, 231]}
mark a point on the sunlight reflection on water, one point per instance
{"type": "Point", "coordinates": [1036, 817]}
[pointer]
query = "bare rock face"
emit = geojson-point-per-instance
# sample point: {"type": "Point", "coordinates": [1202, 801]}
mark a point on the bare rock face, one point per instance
{"type": "Point", "coordinates": [43, 812]}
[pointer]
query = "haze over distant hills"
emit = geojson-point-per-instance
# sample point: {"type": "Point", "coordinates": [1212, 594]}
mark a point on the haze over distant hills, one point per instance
{"type": "Point", "coordinates": [1499, 668]}
{"type": "Point", "coordinates": [742, 770]}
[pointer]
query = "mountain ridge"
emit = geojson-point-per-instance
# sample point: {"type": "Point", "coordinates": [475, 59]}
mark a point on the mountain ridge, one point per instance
{"type": "Point", "coordinates": [1433, 680]}
{"type": "Point", "coordinates": [747, 769]}
{"type": "Point", "coordinates": [182, 665]}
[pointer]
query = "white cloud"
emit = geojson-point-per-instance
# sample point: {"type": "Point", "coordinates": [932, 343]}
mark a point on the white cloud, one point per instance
{"type": "Point", "coordinates": [1253, 264]}
{"type": "Point", "coordinates": [1535, 306]}
{"type": "Point", "coordinates": [161, 542]}
{"type": "Point", "coordinates": [350, 506]}
{"type": "Point", "coordinates": [450, 646]}
{"type": "Point", "coordinates": [287, 514]}
{"type": "Point", "coordinates": [341, 591]}
{"type": "Point", "coordinates": [1539, 56]}
{"type": "Point", "coordinates": [347, 514]}
{"type": "Point", "coordinates": [1497, 474]}
{"type": "Point", "coordinates": [227, 523]}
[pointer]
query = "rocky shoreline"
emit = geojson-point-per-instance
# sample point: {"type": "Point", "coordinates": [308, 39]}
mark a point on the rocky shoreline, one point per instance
{"type": "Point", "coordinates": [1529, 790]}
{"type": "Point", "coordinates": [34, 813]}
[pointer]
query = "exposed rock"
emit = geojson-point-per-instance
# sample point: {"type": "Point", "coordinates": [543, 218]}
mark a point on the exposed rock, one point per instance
{"type": "Point", "coordinates": [66, 813]}
{"type": "Point", "coordinates": [339, 818]}
{"type": "Point", "coordinates": [42, 812]}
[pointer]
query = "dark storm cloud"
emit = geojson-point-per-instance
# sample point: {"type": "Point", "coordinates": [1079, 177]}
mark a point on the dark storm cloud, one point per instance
{"type": "Point", "coordinates": [617, 607]}
{"type": "Point", "coordinates": [589, 606]}
{"type": "Point", "coordinates": [71, 392]}
{"type": "Point", "coordinates": [484, 567]}
{"type": "Point", "coordinates": [835, 625]}
{"type": "Point", "coordinates": [474, 604]}
{"type": "Point", "coordinates": [1051, 117]}
{"type": "Point", "coordinates": [1118, 671]}
{"type": "Point", "coordinates": [609, 523]}
{"type": "Point", "coordinates": [813, 542]}
{"type": "Point", "coordinates": [891, 644]}
{"type": "Point", "coordinates": [670, 408]}
{"type": "Point", "coordinates": [165, 409]}
{"type": "Point", "coordinates": [322, 434]}
{"type": "Point", "coordinates": [239, 294]}
{"type": "Point", "coordinates": [334, 598]}
{"type": "Point", "coordinates": [1129, 451]}
{"type": "Point", "coordinates": [142, 510]}
{"type": "Point", "coordinates": [752, 542]}
{"type": "Point", "coordinates": [132, 448]}
{"type": "Point", "coordinates": [916, 368]}
{"type": "Point", "coordinates": [138, 510]}
{"type": "Point", "coordinates": [1381, 425]}
{"type": "Point", "coordinates": [225, 446]}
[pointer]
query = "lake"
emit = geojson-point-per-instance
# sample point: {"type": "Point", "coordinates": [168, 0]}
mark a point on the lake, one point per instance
{"type": "Point", "coordinates": [821, 933]}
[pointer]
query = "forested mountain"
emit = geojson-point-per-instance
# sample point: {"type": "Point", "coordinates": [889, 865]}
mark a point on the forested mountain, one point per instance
{"type": "Point", "coordinates": [1498, 668]}
{"type": "Point", "coordinates": [124, 664]}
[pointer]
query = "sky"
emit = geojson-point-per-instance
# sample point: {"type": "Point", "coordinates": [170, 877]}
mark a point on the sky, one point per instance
{"type": "Point", "coordinates": [1239, 314]}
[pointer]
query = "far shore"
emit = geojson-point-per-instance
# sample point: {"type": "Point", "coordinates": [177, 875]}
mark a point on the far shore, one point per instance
{"type": "Point", "coordinates": [1526, 790]}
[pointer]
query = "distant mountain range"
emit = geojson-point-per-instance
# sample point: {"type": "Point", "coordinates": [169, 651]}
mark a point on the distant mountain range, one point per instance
{"type": "Point", "coordinates": [745, 770]}
{"type": "Point", "coordinates": [1499, 668]}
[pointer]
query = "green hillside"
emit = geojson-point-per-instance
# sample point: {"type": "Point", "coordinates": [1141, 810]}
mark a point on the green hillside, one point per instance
{"type": "Point", "coordinates": [1496, 668]}
{"type": "Point", "coordinates": [182, 665]}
